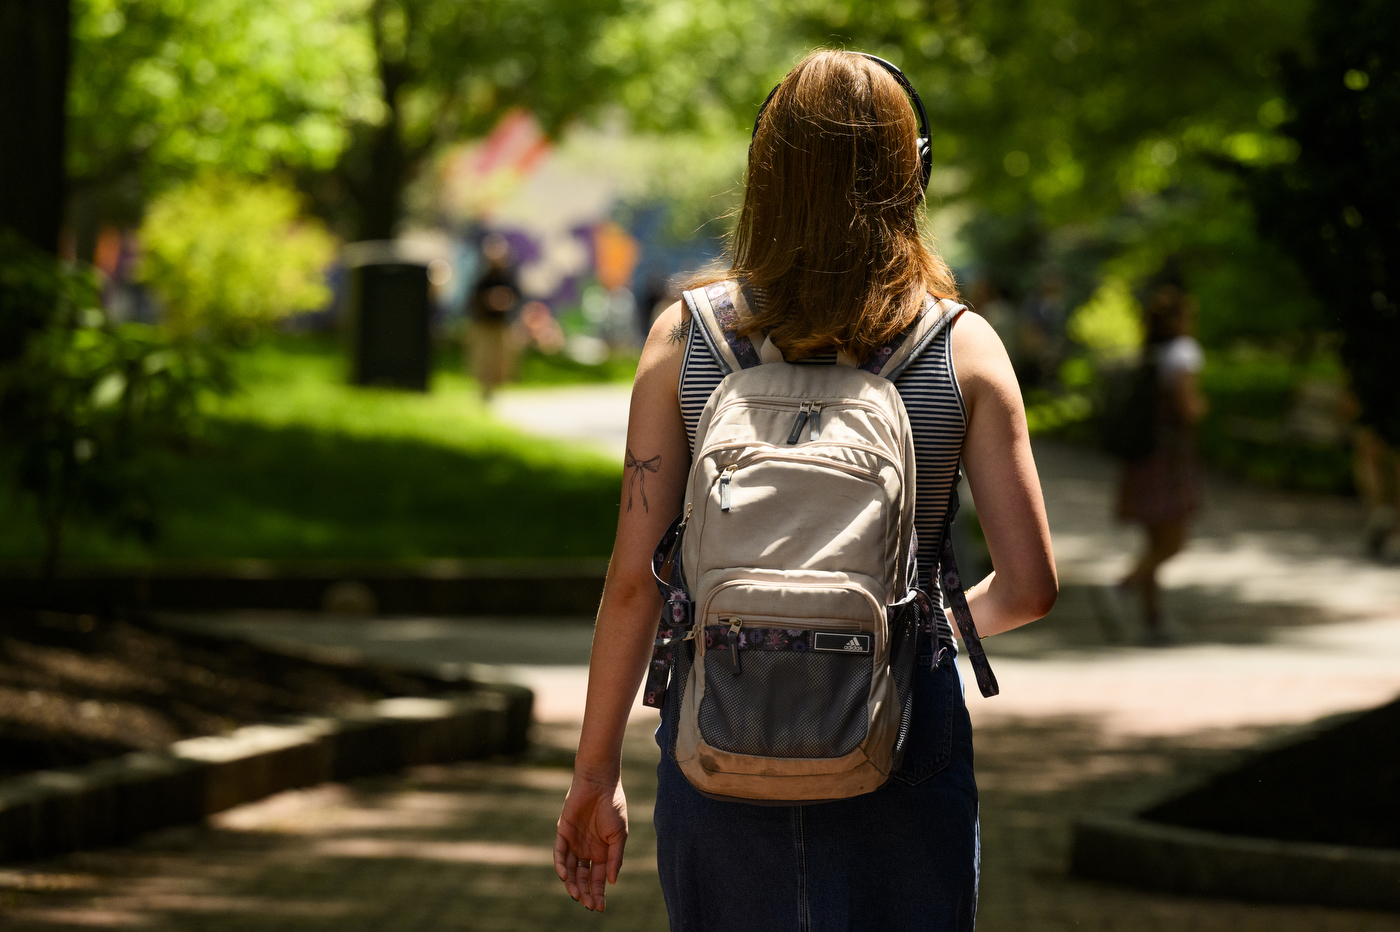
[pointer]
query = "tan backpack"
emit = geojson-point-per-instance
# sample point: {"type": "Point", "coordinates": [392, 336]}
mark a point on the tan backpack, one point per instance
{"type": "Point", "coordinates": [790, 578]}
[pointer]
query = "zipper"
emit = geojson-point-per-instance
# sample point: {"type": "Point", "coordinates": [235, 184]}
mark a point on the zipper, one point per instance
{"type": "Point", "coordinates": [724, 478]}
{"type": "Point", "coordinates": [802, 624]}
{"type": "Point", "coordinates": [816, 420]}
{"type": "Point", "coordinates": [817, 461]}
{"type": "Point", "coordinates": [877, 627]}
{"type": "Point", "coordinates": [801, 419]}
{"type": "Point", "coordinates": [781, 403]}
{"type": "Point", "coordinates": [669, 563]}
{"type": "Point", "coordinates": [759, 448]}
{"type": "Point", "coordinates": [735, 624]}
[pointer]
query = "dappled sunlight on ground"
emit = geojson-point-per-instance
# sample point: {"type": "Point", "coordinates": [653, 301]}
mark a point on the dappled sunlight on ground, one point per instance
{"type": "Point", "coordinates": [467, 847]}
{"type": "Point", "coordinates": [1281, 622]}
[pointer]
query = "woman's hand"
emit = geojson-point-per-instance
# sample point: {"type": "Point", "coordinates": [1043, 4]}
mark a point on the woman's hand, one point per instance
{"type": "Point", "coordinates": [592, 835]}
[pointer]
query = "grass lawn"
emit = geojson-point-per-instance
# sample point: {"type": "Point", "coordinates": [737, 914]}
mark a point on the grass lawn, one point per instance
{"type": "Point", "coordinates": [299, 465]}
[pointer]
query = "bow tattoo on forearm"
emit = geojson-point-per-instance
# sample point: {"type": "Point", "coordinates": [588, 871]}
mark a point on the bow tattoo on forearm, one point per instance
{"type": "Point", "coordinates": [638, 469]}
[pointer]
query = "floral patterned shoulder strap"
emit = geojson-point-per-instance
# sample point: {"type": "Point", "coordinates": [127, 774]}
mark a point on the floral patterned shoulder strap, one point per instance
{"type": "Point", "coordinates": [721, 307]}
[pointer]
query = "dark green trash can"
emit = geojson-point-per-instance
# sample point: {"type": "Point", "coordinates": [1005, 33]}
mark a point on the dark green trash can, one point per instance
{"type": "Point", "coordinates": [388, 309]}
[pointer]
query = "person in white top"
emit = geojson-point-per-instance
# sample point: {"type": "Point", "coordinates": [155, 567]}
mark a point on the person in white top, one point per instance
{"type": "Point", "coordinates": [1162, 490]}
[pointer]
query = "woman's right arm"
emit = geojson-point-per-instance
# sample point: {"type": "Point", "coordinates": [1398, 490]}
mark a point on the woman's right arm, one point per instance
{"type": "Point", "coordinates": [592, 828]}
{"type": "Point", "coordinates": [1001, 472]}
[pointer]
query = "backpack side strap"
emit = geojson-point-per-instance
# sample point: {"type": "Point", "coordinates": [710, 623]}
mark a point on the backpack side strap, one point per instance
{"type": "Point", "coordinates": [677, 612]}
{"type": "Point", "coordinates": [951, 582]}
{"type": "Point", "coordinates": [719, 308]}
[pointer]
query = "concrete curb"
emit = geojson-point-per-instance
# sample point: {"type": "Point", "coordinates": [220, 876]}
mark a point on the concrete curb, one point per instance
{"type": "Point", "coordinates": [1171, 859]}
{"type": "Point", "coordinates": [434, 587]}
{"type": "Point", "coordinates": [50, 812]}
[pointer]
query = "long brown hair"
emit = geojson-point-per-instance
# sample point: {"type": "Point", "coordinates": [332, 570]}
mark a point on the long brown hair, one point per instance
{"type": "Point", "coordinates": [829, 227]}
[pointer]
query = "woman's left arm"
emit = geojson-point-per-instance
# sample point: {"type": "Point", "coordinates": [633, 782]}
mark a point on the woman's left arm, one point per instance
{"type": "Point", "coordinates": [1187, 401]}
{"type": "Point", "coordinates": [593, 825]}
{"type": "Point", "coordinates": [1001, 472]}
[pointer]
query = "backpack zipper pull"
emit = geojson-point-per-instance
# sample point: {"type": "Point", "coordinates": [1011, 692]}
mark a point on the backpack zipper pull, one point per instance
{"type": "Point", "coordinates": [816, 420]}
{"type": "Point", "coordinates": [797, 424]}
{"type": "Point", "coordinates": [668, 565]}
{"type": "Point", "coordinates": [734, 625]}
{"type": "Point", "coordinates": [724, 486]}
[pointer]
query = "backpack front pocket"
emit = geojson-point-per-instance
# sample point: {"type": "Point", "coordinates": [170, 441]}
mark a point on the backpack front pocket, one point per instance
{"type": "Point", "coordinates": [786, 692]}
{"type": "Point", "coordinates": [788, 660]}
{"type": "Point", "coordinates": [846, 512]}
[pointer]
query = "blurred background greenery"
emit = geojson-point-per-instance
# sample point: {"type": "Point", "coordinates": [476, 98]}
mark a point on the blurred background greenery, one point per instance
{"type": "Point", "coordinates": [175, 388]}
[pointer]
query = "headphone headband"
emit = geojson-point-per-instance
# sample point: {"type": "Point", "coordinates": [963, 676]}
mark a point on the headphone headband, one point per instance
{"type": "Point", "coordinates": [925, 147]}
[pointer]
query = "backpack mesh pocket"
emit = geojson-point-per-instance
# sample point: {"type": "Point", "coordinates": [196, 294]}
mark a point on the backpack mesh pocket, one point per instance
{"type": "Point", "coordinates": [904, 648]}
{"type": "Point", "coordinates": [786, 703]}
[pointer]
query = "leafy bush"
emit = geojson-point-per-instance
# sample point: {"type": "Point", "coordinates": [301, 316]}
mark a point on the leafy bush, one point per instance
{"type": "Point", "coordinates": [82, 400]}
{"type": "Point", "coordinates": [229, 256]}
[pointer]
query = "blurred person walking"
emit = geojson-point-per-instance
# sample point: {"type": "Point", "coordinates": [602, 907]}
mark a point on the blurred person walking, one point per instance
{"type": "Point", "coordinates": [1376, 468]}
{"type": "Point", "coordinates": [1154, 433]}
{"type": "Point", "coordinates": [493, 301]}
{"type": "Point", "coordinates": [827, 269]}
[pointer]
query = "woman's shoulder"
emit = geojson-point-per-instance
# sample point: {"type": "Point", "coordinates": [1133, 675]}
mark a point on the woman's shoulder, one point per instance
{"type": "Point", "coordinates": [977, 350]}
{"type": "Point", "coordinates": [671, 327]}
{"type": "Point", "coordinates": [980, 363]}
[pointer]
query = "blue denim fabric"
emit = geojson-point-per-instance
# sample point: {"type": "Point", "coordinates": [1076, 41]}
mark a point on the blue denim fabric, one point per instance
{"type": "Point", "coordinates": [904, 857]}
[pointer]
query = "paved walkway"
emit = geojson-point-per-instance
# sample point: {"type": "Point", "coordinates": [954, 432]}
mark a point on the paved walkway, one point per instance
{"type": "Point", "coordinates": [591, 414]}
{"type": "Point", "coordinates": [1284, 621]}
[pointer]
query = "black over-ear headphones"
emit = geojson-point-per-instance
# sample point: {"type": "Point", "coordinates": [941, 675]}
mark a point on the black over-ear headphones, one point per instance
{"type": "Point", "coordinates": [925, 148]}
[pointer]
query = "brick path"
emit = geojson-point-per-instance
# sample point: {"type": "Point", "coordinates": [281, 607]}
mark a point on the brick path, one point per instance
{"type": "Point", "coordinates": [1284, 622]}
{"type": "Point", "coordinates": [466, 847]}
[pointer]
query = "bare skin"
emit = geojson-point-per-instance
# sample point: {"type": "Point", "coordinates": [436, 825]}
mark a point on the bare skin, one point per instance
{"type": "Point", "coordinates": [593, 825]}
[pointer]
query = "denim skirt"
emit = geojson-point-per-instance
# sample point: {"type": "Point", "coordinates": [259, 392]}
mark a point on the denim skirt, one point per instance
{"type": "Point", "coordinates": [904, 857]}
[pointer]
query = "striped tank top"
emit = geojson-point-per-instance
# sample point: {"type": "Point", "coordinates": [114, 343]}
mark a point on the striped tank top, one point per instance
{"type": "Point", "coordinates": [929, 389]}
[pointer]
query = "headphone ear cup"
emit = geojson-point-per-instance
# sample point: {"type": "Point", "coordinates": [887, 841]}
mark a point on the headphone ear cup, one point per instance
{"type": "Point", "coordinates": [926, 158]}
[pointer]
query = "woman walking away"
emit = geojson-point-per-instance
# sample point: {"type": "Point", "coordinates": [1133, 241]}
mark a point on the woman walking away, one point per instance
{"type": "Point", "coordinates": [804, 413]}
{"type": "Point", "coordinates": [1160, 489]}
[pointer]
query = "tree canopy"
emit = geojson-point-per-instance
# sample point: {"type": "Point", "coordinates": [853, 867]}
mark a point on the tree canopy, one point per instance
{"type": "Point", "coordinates": [1095, 137]}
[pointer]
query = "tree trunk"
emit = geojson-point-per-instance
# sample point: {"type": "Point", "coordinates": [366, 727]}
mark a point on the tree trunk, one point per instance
{"type": "Point", "coordinates": [34, 50]}
{"type": "Point", "coordinates": [53, 545]}
{"type": "Point", "coordinates": [381, 194]}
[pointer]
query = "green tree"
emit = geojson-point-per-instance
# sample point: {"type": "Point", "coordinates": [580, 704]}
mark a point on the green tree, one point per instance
{"type": "Point", "coordinates": [1072, 131]}
{"type": "Point", "coordinates": [163, 90]}
{"type": "Point", "coordinates": [1336, 209]}
{"type": "Point", "coordinates": [1085, 130]}
{"type": "Point", "coordinates": [448, 70]}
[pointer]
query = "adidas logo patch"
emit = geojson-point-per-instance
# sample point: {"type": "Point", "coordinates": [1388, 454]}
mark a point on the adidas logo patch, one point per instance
{"type": "Point", "coordinates": [840, 642]}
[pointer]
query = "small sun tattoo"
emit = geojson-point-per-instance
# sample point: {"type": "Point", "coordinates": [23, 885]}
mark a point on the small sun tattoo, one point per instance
{"type": "Point", "coordinates": [637, 469]}
{"type": "Point", "coordinates": [679, 332]}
